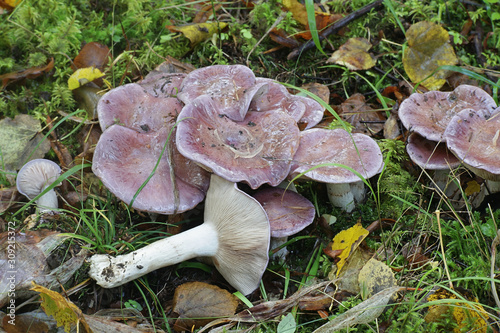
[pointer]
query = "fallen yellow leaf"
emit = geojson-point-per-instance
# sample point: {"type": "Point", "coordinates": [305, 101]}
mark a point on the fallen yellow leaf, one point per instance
{"type": "Point", "coordinates": [83, 76]}
{"type": "Point", "coordinates": [63, 310]}
{"type": "Point", "coordinates": [347, 241]}
{"type": "Point", "coordinates": [428, 48]}
{"type": "Point", "coordinates": [198, 32]}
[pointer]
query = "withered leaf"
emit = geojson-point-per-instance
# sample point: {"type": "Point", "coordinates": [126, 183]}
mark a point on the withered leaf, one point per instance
{"type": "Point", "coordinates": [362, 116]}
{"type": "Point", "coordinates": [197, 303]}
{"type": "Point", "coordinates": [29, 73]}
{"type": "Point", "coordinates": [428, 48]}
{"type": "Point", "coordinates": [354, 54]}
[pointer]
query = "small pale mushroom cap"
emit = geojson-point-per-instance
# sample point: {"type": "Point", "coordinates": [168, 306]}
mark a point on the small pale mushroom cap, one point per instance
{"type": "Point", "coordinates": [429, 154]}
{"type": "Point", "coordinates": [257, 150]}
{"type": "Point", "coordinates": [288, 211]}
{"type": "Point", "coordinates": [320, 146]}
{"type": "Point", "coordinates": [474, 137]}
{"type": "Point", "coordinates": [34, 177]}
{"type": "Point", "coordinates": [231, 87]}
{"type": "Point", "coordinates": [429, 114]}
{"type": "Point", "coordinates": [124, 158]}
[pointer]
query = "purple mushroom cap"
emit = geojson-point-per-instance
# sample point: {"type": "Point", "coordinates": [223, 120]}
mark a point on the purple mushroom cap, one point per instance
{"type": "Point", "coordinates": [473, 136]}
{"type": "Point", "coordinates": [124, 159]}
{"type": "Point", "coordinates": [429, 154]}
{"type": "Point", "coordinates": [132, 106]}
{"type": "Point", "coordinates": [288, 211]}
{"type": "Point", "coordinates": [257, 150]}
{"type": "Point", "coordinates": [232, 88]}
{"type": "Point", "coordinates": [319, 146]}
{"type": "Point", "coordinates": [160, 84]}
{"type": "Point", "coordinates": [428, 114]}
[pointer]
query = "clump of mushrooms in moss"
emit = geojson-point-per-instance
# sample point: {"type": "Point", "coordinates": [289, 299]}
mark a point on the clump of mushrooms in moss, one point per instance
{"type": "Point", "coordinates": [164, 143]}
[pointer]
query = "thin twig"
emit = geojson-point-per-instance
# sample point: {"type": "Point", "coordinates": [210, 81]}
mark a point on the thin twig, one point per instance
{"type": "Point", "coordinates": [334, 28]}
{"type": "Point", "coordinates": [438, 214]}
{"type": "Point", "coordinates": [494, 245]}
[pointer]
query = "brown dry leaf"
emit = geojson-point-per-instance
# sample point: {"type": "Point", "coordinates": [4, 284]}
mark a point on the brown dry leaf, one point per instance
{"type": "Point", "coordinates": [198, 32]}
{"type": "Point", "coordinates": [468, 316]}
{"type": "Point", "coordinates": [201, 300]}
{"type": "Point", "coordinates": [348, 240]}
{"type": "Point", "coordinates": [374, 277]}
{"type": "Point", "coordinates": [32, 249]}
{"type": "Point", "coordinates": [268, 310]}
{"type": "Point", "coordinates": [319, 90]}
{"type": "Point", "coordinates": [93, 54]}
{"type": "Point", "coordinates": [361, 115]}
{"type": "Point", "coordinates": [348, 277]}
{"type": "Point", "coordinates": [299, 13]}
{"type": "Point", "coordinates": [428, 48]}
{"type": "Point", "coordinates": [8, 197]}
{"type": "Point", "coordinates": [205, 12]}
{"type": "Point", "coordinates": [19, 137]}
{"type": "Point", "coordinates": [354, 54]}
{"type": "Point", "coordinates": [362, 313]}
{"type": "Point", "coordinates": [29, 73]}
{"type": "Point", "coordinates": [279, 36]}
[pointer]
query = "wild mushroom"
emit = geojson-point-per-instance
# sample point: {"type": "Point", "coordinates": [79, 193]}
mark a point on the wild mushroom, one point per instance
{"type": "Point", "coordinates": [343, 152]}
{"type": "Point", "coordinates": [431, 155]}
{"type": "Point", "coordinates": [34, 177]}
{"type": "Point", "coordinates": [235, 235]}
{"type": "Point", "coordinates": [257, 150]}
{"type": "Point", "coordinates": [288, 213]}
{"type": "Point", "coordinates": [136, 127]}
{"type": "Point", "coordinates": [428, 114]}
{"type": "Point", "coordinates": [473, 136]}
{"type": "Point", "coordinates": [231, 87]}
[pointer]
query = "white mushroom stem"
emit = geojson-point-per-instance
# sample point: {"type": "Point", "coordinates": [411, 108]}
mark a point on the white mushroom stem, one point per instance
{"type": "Point", "coordinates": [493, 186]}
{"type": "Point", "coordinates": [358, 190]}
{"type": "Point", "coordinates": [47, 202]}
{"type": "Point", "coordinates": [109, 272]}
{"type": "Point", "coordinates": [234, 237]}
{"type": "Point", "coordinates": [340, 195]}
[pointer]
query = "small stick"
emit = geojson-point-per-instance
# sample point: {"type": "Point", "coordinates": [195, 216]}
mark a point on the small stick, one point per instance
{"type": "Point", "coordinates": [334, 28]}
{"type": "Point", "coordinates": [494, 245]}
{"type": "Point", "coordinates": [438, 214]}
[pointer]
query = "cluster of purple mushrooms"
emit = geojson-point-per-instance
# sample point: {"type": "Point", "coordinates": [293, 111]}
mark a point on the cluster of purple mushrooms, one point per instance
{"type": "Point", "coordinates": [173, 140]}
{"type": "Point", "coordinates": [451, 129]}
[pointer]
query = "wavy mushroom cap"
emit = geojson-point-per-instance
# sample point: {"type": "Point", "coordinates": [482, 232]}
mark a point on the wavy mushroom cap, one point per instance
{"type": "Point", "coordinates": [257, 150]}
{"type": "Point", "coordinates": [160, 84]}
{"type": "Point", "coordinates": [430, 113]}
{"type": "Point", "coordinates": [124, 159]}
{"type": "Point", "coordinates": [231, 87]}
{"type": "Point", "coordinates": [473, 136]}
{"type": "Point", "coordinates": [132, 106]}
{"type": "Point", "coordinates": [320, 146]}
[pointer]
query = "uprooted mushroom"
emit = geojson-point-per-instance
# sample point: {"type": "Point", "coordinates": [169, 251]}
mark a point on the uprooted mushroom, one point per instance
{"type": "Point", "coordinates": [235, 237]}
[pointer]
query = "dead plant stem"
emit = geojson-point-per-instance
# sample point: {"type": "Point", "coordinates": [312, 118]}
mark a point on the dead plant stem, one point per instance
{"type": "Point", "coordinates": [438, 214]}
